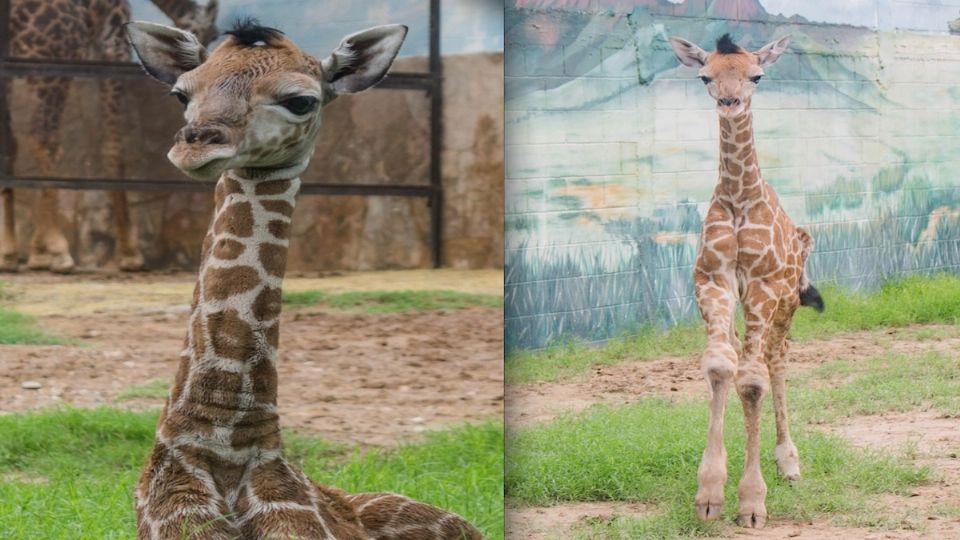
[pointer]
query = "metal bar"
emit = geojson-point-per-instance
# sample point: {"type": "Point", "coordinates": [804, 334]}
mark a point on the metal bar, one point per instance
{"type": "Point", "coordinates": [395, 190]}
{"type": "Point", "coordinates": [436, 137]}
{"type": "Point", "coordinates": [49, 67]}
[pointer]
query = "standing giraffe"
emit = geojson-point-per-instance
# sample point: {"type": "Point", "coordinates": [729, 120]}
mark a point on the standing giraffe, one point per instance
{"type": "Point", "coordinates": [74, 30]}
{"type": "Point", "coordinates": [253, 110]}
{"type": "Point", "coordinates": [750, 251]}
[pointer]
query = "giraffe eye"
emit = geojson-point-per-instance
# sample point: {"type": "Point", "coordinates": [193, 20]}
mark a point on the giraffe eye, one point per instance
{"type": "Point", "coordinates": [181, 97]}
{"type": "Point", "coordinates": [756, 80]}
{"type": "Point", "coordinates": [705, 79]}
{"type": "Point", "coordinates": [300, 105]}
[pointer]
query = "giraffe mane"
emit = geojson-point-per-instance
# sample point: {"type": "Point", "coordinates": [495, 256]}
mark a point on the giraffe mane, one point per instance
{"type": "Point", "coordinates": [725, 45]}
{"type": "Point", "coordinates": [249, 33]}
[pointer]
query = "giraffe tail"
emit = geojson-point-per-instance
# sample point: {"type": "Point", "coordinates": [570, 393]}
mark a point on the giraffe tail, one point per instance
{"type": "Point", "coordinates": [809, 295]}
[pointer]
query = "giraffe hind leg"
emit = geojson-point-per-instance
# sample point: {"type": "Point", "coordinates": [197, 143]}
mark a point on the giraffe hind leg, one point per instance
{"type": "Point", "coordinates": [787, 457]}
{"type": "Point", "coordinates": [49, 248]}
{"type": "Point", "coordinates": [395, 517]}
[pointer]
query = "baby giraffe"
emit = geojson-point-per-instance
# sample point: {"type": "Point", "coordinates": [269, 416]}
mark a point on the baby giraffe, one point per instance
{"type": "Point", "coordinates": [253, 109]}
{"type": "Point", "coordinates": [751, 253]}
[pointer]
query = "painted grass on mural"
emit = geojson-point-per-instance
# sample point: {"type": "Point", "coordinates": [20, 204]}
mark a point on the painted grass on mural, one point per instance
{"type": "Point", "coordinates": [392, 301]}
{"type": "Point", "coordinates": [70, 473]}
{"type": "Point", "coordinates": [624, 453]}
{"type": "Point", "coordinates": [911, 300]}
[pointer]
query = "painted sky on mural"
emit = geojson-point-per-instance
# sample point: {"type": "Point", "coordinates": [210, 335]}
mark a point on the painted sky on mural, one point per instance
{"type": "Point", "coordinates": [317, 25]}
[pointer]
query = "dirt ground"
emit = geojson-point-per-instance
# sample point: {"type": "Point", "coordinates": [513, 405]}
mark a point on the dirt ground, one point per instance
{"type": "Point", "coordinates": [350, 377]}
{"type": "Point", "coordinates": [934, 440]}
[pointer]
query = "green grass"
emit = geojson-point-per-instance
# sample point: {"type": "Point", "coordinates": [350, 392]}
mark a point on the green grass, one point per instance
{"type": "Point", "coordinates": [393, 301]}
{"type": "Point", "coordinates": [19, 329]}
{"type": "Point", "coordinates": [649, 451]}
{"type": "Point", "coordinates": [155, 389]}
{"type": "Point", "coordinates": [71, 473]}
{"type": "Point", "coordinates": [912, 300]}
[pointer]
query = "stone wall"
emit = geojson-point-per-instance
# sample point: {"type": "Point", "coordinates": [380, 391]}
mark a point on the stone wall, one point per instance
{"type": "Point", "coordinates": [380, 136]}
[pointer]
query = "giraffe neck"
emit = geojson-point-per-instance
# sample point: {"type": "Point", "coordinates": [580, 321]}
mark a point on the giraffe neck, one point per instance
{"type": "Point", "coordinates": [225, 395]}
{"type": "Point", "coordinates": [177, 10]}
{"type": "Point", "coordinates": [740, 179]}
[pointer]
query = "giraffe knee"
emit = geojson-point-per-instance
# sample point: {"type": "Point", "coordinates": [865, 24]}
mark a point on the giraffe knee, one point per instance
{"type": "Point", "coordinates": [751, 386]}
{"type": "Point", "coordinates": [719, 363]}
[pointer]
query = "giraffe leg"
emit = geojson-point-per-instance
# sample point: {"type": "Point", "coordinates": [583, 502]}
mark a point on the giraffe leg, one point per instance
{"type": "Point", "coordinates": [111, 97]}
{"type": "Point", "coordinates": [719, 364]}
{"type": "Point", "coordinates": [280, 502]}
{"type": "Point", "coordinates": [752, 383]}
{"type": "Point", "coordinates": [788, 459]}
{"type": "Point", "coordinates": [388, 515]}
{"type": "Point", "coordinates": [8, 153]}
{"type": "Point", "coordinates": [48, 248]}
{"type": "Point", "coordinates": [8, 242]}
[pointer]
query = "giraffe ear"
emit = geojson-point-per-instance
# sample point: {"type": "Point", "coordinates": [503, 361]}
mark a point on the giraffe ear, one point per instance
{"type": "Point", "coordinates": [771, 52]}
{"type": "Point", "coordinates": [362, 59]}
{"type": "Point", "coordinates": [165, 52]}
{"type": "Point", "coordinates": [688, 53]}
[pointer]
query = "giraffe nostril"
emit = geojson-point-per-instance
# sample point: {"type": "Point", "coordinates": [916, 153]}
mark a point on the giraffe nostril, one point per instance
{"type": "Point", "coordinates": [203, 135]}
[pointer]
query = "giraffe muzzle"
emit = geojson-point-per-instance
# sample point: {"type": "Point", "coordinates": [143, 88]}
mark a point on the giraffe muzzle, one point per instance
{"type": "Point", "coordinates": [202, 135]}
{"type": "Point", "coordinates": [728, 102]}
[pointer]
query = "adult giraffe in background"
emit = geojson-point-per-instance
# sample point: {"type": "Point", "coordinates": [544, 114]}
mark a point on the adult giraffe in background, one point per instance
{"type": "Point", "coordinates": [751, 253]}
{"type": "Point", "coordinates": [78, 30]}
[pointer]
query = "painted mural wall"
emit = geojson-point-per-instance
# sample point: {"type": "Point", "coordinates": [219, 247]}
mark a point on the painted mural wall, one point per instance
{"type": "Point", "coordinates": [612, 149]}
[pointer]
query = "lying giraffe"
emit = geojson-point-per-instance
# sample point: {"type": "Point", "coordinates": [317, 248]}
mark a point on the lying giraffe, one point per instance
{"type": "Point", "coordinates": [253, 110]}
{"type": "Point", "coordinates": [73, 30]}
{"type": "Point", "coordinates": [751, 252]}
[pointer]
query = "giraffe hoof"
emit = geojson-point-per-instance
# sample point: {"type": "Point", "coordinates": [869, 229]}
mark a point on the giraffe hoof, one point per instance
{"type": "Point", "coordinates": [788, 461]}
{"type": "Point", "coordinates": [752, 521]}
{"type": "Point", "coordinates": [9, 263]}
{"type": "Point", "coordinates": [39, 261]}
{"type": "Point", "coordinates": [132, 263]}
{"type": "Point", "coordinates": [62, 264]}
{"type": "Point", "coordinates": [709, 511]}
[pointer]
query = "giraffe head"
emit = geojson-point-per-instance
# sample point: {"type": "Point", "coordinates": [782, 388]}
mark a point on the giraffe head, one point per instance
{"type": "Point", "coordinates": [730, 73]}
{"type": "Point", "coordinates": [254, 103]}
{"type": "Point", "coordinates": [201, 21]}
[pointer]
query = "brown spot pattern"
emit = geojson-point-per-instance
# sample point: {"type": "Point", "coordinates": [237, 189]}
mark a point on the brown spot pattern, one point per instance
{"type": "Point", "coordinates": [222, 283]}
{"type": "Point", "coordinates": [230, 336]}
{"type": "Point", "coordinates": [273, 258]}
{"type": "Point", "coordinates": [236, 219]}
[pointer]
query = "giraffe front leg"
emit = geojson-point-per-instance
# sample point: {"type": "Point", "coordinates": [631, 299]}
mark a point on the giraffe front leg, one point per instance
{"type": "Point", "coordinates": [389, 516]}
{"type": "Point", "coordinates": [719, 364]}
{"type": "Point", "coordinates": [752, 383]}
{"type": "Point", "coordinates": [279, 502]}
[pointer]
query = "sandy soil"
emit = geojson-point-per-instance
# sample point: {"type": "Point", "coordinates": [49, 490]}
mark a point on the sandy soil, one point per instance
{"type": "Point", "coordinates": [351, 377]}
{"type": "Point", "coordinates": [932, 439]}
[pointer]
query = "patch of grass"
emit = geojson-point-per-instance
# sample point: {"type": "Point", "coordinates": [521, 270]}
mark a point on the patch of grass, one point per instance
{"type": "Point", "coordinates": [155, 389]}
{"type": "Point", "coordinates": [19, 329]}
{"type": "Point", "coordinates": [649, 452]}
{"type": "Point", "coordinates": [893, 382]}
{"type": "Point", "coordinates": [393, 301]}
{"type": "Point", "coordinates": [71, 473]}
{"type": "Point", "coordinates": [573, 358]}
{"type": "Point", "coordinates": [912, 300]}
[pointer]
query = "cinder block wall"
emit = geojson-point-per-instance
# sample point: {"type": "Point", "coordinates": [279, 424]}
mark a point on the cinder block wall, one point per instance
{"type": "Point", "coordinates": [612, 151]}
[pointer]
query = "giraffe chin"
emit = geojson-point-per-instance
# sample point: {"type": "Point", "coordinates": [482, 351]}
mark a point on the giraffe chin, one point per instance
{"type": "Point", "coordinates": [204, 165]}
{"type": "Point", "coordinates": [731, 112]}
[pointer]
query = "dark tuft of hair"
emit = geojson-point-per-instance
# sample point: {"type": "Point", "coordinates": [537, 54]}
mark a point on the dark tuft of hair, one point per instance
{"type": "Point", "coordinates": [248, 32]}
{"type": "Point", "coordinates": [725, 45]}
{"type": "Point", "coordinates": [810, 297]}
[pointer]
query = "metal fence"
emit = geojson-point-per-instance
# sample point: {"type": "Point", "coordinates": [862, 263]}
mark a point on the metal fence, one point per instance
{"type": "Point", "coordinates": [430, 82]}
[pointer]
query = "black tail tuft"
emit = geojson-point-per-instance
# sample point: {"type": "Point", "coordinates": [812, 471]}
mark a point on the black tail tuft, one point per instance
{"type": "Point", "coordinates": [810, 297]}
